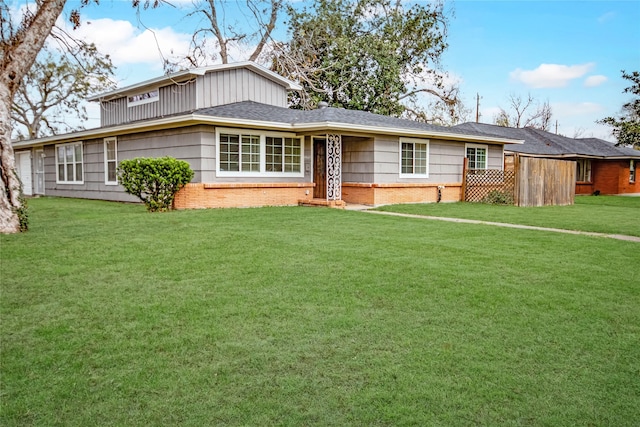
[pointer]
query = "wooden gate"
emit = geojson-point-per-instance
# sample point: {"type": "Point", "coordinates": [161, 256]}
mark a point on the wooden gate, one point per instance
{"type": "Point", "coordinates": [531, 182]}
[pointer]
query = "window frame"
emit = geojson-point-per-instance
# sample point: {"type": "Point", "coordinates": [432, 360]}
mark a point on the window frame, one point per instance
{"type": "Point", "coordinates": [484, 147]}
{"type": "Point", "coordinates": [632, 171]}
{"type": "Point", "coordinates": [142, 98]}
{"type": "Point", "coordinates": [66, 164]}
{"type": "Point", "coordinates": [107, 160]}
{"type": "Point", "coordinates": [413, 142]}
{"type": "Point", "coordinates": [262, 169]}
{"type": "Point", "coordinates": [584, 163]}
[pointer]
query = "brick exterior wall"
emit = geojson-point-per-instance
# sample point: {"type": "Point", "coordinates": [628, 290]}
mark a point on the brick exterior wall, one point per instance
{"type": "Point", "coordinates": [385, 194]}
{"type": "Point", "coordinates": [609, 177]}
{"type": "Point", "coordinates": [199, 195]}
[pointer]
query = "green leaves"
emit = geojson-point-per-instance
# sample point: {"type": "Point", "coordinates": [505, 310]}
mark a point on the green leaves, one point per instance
{"type": "Point", "coordinates": [372, 55]}
{"type": "Point", "coordinates": [626, 128]}
{"type": "Point", "coordinates": [155, 181]}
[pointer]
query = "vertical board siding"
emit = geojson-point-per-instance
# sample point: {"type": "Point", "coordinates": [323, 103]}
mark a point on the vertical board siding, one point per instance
{"type": "Point", "coordinates": [212, 89]}
{"type": "Point", "coordinates": [544, 182]}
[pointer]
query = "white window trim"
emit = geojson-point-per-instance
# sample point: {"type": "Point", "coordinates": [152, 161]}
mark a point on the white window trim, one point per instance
{"type": "Point", "coordinates": [633, 170]}
{"type": "Point", "coordinates": [486, 148]}
{"type": "Point", "coordinates": [263, 154]}
{"type": "Point", "coordinates": [584, 163]}
{"type": "Point", "coordinates": [413, 141]}
{"type": "Point", "coordinates": [106, 161]}
{"type": "Point", "coordinates": [58, 181]}
{"type": "Point", "coordinates": [154, 97]}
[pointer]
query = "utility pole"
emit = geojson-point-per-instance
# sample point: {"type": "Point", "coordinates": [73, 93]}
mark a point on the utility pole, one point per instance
{"type": "Point", "coordinates": [477, 107]}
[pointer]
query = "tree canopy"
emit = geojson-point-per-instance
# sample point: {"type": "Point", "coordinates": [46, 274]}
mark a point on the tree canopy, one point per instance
{"type": "Point", "coordinates": [626, 127]}
{"type": "Point", "coordinates": [373, 55]}
{"type": "Point", "coordinates": [55, 88]}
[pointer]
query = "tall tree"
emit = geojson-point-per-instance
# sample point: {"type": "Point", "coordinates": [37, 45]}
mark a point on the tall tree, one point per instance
{"type": "Point", "coordinates": [217, 37]}
{"type": "Point", "coordinates": [525, 113]}
{"type": "Point", "coordinates": [626, 127]}
{"type": "Point", "coordinates": [55, 88]}
{"type": "Point", "coordinates": [373, 55]}
{"type": "Point", "coordinates": [20, 44]}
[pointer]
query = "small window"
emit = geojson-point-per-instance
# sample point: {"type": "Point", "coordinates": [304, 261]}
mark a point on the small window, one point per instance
{"type": "Point", "coordinates": [143, 98]}
{"type": "Point", "coordinates": [110, 161]}
{"type": "Point", "coordinates": [632, 171]}
{"type": "Point", "coordinates": [583, 170]}
{"type": "Point", "coordinates": [69, 163]}
{"type": "Point", "coordinates": [476, 156]}
{"type": "Point", "coordinates": [414, 158]}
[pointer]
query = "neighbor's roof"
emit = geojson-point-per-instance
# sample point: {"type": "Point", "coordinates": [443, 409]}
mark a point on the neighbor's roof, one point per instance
{"type": "Point", "coordinates": [540, 143]}
{"type": "Point", "coordinates": [182, 76]}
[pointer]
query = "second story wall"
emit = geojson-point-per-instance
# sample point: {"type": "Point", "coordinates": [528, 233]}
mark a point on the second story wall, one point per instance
{"type": "Point", "coordinates": [208, 90]}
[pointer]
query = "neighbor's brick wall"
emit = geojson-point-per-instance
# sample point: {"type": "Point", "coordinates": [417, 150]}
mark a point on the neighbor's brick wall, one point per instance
{"type": "Point", "coordinates": [199, 195]}
{"type": "Point", "coordinates": [385, 194]}
{"type": "Point", "coordinates": [612, 177]}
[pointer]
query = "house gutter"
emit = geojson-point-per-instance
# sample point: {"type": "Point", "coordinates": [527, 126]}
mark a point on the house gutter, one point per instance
{"type": "Point", "coordinates": [195, 119]}
{"type": "Point", "coordinates": [582, 156]}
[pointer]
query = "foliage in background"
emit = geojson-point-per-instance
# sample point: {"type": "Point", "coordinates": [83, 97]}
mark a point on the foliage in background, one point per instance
{"type": "Point", "coordinates": [55, 89]}
{"type": "Point", "coordinates": [155, 181]}
{"type": "Point", "coordinates": [372, 55]}
{"type": "Point", "coordinates": [626, 127]}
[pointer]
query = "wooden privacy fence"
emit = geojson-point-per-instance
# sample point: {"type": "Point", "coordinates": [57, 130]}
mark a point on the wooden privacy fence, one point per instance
{"type": "Point", "coordinates": [531, 182]}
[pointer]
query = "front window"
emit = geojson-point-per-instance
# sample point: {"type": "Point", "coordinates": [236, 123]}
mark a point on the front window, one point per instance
{"type": "Point", "coordinates": [110, 161]}
{"type": "Point", "coordinates": [476, 156]}
{"type": "Point", "coordinates": [632, 171]}
{"type": "Point", "coordinates": [69, 163]}
{"type": "Point", "coordinates": [414, 158]}
{"type": "Point", "coordinates": [583, 170]}
{"type": "Point", "coordinates": [258, 154]}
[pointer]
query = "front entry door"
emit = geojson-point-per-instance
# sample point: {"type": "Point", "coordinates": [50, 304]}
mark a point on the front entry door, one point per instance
{"type": "Point", "coordinates": [320, 168]}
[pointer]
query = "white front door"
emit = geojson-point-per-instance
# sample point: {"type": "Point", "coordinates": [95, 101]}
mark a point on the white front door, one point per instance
{"type": "Point", "coordinates": [39, 172]}
{"type": "Point", "coordinates": [23, 165]}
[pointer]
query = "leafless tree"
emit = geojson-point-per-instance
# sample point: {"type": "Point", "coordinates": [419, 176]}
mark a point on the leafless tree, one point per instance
{"type": "Point", "coordinates": [525, 113]}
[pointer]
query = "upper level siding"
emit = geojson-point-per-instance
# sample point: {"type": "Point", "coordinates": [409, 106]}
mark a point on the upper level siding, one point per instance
{"type": "Point", "coordinates": [209, 90]}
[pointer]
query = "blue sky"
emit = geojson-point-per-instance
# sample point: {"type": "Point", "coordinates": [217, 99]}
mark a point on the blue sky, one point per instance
{"type": "Point", "coordinates": [569, 53]}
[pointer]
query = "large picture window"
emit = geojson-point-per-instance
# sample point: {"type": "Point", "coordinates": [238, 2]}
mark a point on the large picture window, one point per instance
{"type": "Point", "coordinates": [110, 161]}
{"type": "Point", "coordinates": [69, 163]}
{"type": "Point", "coordinates": [251, 153]}
{"type": "Point", "coordinates": [476, 156]}
{"type": "Point", "coordinates": [414, 158]}
{"type": "Point", "coordinates": [583, 170]}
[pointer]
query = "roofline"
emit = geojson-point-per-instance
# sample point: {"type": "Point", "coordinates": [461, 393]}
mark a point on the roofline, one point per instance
{"type": "Point", "coordinates": [194, 72]}
{"type": "Point", "coordinates": [582, 156]}
{"type": "Point", "coordinates": [197, 119]}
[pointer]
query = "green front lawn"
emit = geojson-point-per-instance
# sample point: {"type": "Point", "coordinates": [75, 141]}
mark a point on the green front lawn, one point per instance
{"type": "Point", "coordinates": [308, 316]}
{"type": "Point", "coordinates": [601, 214]}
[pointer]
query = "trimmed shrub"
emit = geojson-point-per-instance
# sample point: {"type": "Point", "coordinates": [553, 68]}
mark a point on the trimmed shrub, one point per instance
{"type": "Point", "coordinates": [155, 181]}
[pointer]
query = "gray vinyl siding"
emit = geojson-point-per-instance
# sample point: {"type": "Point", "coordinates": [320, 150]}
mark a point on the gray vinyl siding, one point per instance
{"type": "Point", "coordinates": [237, 85]}
{"type": "Point", "coordinates": [445, 161]}
{"type": "Point", "coordinates": [209, 90]}
{"type": "Point", "coordinates": [358, 160]}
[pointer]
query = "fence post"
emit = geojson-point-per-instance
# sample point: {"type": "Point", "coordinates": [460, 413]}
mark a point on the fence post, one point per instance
{"type": "Point", "coordinates": [516, 179]}
{"type": "Point", "coordinates": [463, 196]}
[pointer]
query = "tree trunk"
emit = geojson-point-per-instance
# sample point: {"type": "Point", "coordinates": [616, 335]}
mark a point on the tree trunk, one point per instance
{"type": "Point", "coordinates": [19, 52]}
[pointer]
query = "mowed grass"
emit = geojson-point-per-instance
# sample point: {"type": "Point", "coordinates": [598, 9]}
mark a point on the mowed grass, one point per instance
{"type": "Point", "coordinates": [601, 214]}
{"type": "Point", "coordinates": [309, 316]}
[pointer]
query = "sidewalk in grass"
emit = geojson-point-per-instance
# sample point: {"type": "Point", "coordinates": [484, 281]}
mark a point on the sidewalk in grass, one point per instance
{"type": "Point", "coordinates": [502, 224]}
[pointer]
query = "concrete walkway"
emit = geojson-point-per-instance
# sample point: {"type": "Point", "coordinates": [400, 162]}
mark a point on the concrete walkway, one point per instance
{"type": "Point", "coordinates": [502, 224]}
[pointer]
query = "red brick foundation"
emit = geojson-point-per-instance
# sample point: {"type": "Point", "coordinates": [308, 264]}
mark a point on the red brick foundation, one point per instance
{"type": "Point", "coordinates": [385, 194]}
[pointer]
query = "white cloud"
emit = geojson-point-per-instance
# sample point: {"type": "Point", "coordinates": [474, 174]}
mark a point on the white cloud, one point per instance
{"type": "Point", "coordinates": [127, 44]}
{"type": "Point", "coordinates": [551, 75]}
{"type": "Point", "coordinates": [593, 81]}
{"type": "Point", "coordinates": [606, 17]}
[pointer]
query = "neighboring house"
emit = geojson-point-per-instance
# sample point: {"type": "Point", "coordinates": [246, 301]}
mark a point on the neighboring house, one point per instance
{"type": "Point", "coordinates": [232, 124]}
{"type": "Point", "coordinates": [600, 165]}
